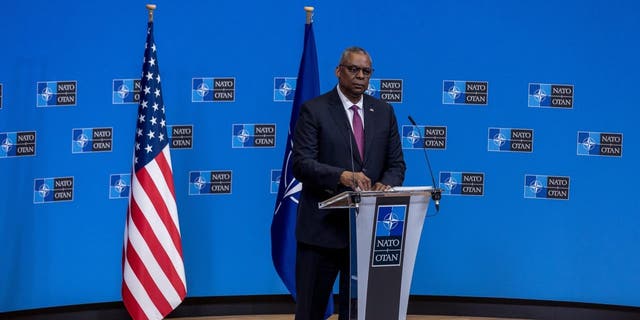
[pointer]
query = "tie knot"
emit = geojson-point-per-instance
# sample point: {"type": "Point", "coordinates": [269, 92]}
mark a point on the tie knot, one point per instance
{"type": "Point", "coordinates": [354, 108]}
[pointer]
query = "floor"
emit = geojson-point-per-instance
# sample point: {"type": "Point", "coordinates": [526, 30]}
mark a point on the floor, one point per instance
{"type": "Point", "coordinates": [335, 317]}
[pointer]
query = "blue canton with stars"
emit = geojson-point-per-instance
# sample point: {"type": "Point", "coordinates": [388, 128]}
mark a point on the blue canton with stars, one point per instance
{"type": "Point", "coordinates": [151, 130]}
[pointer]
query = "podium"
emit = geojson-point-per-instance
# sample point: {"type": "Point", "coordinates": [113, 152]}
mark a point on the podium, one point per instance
{"type": "Point", "coordinates": [385, 228]}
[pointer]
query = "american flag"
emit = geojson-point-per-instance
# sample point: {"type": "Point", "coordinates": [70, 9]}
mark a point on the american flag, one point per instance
{"type": "Point", "coordinates": [153, 281]}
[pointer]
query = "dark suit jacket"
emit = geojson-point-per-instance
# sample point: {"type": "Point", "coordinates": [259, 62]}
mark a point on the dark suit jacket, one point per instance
{"type": "Point", "coordinates": [321, 143]}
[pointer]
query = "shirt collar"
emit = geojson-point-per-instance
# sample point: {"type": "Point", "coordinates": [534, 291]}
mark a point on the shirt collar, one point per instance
{"type": "Point", "coordinates": [346, 103]}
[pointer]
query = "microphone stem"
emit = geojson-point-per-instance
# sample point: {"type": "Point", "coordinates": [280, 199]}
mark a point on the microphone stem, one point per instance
{"type": "Point", "coordinates": [433, 180]}
{"type": "Point", "coordinates": [436, 194]}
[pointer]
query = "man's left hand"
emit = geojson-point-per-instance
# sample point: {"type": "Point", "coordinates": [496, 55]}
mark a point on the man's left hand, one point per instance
{"type": "Point", "coordinates": [380, 187]}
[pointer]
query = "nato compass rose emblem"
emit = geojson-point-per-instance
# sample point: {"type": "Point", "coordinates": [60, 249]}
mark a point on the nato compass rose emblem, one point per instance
{"type": "Point", "coordinates": [199, 182]}
{"type": "Point", "coordinates": [390, 221]}
{"type": "Point", "coordinates": [82, 140]}
{"type": "Point", "coordinates": [588, 143]}
{"type": "Point", "coordinates": [120, 186]}
{"type": "Point", "coordinates": [371, 90]}
{"type": "Point", "coordinates": [413, 137]}
{"type": "Point", "coordinates": [292, 187]}
{"type": "Point", "coordinates": [243, 136]}
{"type": "Point", "coordinates": [202, 89]}
{"type": "Point", "coordinates": [450, 183]}
{"type": "Point", "coordinates": [44, 190]}
{"type": "Point", "coordinates": [7, 144]}
{"type": "Point", "coordinates": [499, 139]}
{"type": "Point", "coordinates": [535, 186]}
{"type": "Point", "coordinates": [284, 89]}
{"type": "Point", "coordinates": [46, 94]}
{"type": "Point", "coordinates": [123, 91]}
{"type": "Point", "coordinates": [540, 95]}
{"type": "Point", "coordinates": [454, 92]}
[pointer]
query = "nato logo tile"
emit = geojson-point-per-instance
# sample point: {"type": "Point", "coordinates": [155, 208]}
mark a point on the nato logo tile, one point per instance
{"type": "Point", "coordinates": [284, 89]}
{"type": "Point", "coordinates": [56, 93]}
{"type": "Point", "coordinates": [17, 144]}
{"type": "Point", "coordinates": [119, 186]}
{"type": "Point", "coordinates": [543, 95]}
{"type": "Point", "coordinates": [465, 92]}
{"type": "Point", "coordinates": [213, 89]}
{"type": "Point", "coordinates": [389, 235]}
{"type": "Point", "coordinates": [180, 136]}
{"type": "Point", "coordinates": [210, 182]}
{"type": "Point", "coordinates": [125, 91]}
{"type": "Point", "coordinates": [510, 140]}
{"type": "Point", "coordinates": [253, 136]}
{"type": "Point", "coordinates": [88, 140]}
{"type": "Point", "coordinates": [47, 190]}
{"type": "Point", "coordinates": [599, 144]}
{"type": "Point", "coordinates": [389, 90]}
{"type": "Point", "coordinates": [546, 187]}
{"type": "Point", "coordinates": [455, 183]}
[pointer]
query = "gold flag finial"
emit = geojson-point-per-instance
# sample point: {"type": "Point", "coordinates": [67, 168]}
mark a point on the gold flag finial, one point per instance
{"type": "Point", "coordinates": [151, 7]}
{"type": "Point", "coordinates": [309, 11]}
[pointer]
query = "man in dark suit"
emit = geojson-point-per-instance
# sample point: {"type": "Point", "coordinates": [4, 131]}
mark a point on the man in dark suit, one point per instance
{"type": "Point", "coordinates": [332, 154]}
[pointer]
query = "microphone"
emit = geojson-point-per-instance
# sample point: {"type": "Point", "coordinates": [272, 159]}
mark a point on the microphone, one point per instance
{"type": "Point", "coordinates": [356, 197]}
{"type": "Point", "coordinates": [436, 195]}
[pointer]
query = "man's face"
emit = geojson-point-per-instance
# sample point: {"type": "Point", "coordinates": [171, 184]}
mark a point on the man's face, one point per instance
{"type": "Point", "coordinates": [353, 75]}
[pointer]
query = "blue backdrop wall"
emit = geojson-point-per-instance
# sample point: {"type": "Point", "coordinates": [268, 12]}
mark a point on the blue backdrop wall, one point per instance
{"type": "Point", "coordinates": [528, 109]}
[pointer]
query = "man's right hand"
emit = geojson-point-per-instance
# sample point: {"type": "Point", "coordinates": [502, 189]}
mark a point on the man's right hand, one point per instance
{"type": "Point", "coordinates": [355, 180]}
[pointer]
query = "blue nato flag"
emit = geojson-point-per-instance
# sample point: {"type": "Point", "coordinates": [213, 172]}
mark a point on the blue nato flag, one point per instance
{"type": "Point", "coordinates": [283, 237]}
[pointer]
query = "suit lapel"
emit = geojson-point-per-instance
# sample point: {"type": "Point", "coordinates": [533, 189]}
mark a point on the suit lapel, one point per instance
{"type": "Point", "coordinates": [369, 125]}
{"type": "Point", "coordinates": [339, 115]}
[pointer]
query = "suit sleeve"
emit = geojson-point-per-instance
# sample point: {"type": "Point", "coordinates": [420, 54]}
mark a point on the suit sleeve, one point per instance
{"type": "Point", "coordinates": [306, 148]}
{"type": "Point", "coordinates": [395, 166]}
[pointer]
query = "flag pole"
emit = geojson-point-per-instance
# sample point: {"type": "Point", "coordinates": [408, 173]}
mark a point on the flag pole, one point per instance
{"type": "Point", "coordinates": [309, 11]}
{"type": "Point", "coordinates": [152, 7]}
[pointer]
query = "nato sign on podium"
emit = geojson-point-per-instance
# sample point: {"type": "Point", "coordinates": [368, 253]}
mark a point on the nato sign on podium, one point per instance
{"type": "Point", "coordinates": [385, 229]}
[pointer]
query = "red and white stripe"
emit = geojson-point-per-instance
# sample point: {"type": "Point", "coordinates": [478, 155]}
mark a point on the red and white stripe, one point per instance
{"type": "Point", "coordinates": [153, 270]}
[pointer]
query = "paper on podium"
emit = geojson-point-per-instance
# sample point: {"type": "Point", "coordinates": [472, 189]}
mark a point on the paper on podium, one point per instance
{"type": "Point", "coordinates": [412, 188]}
{"type": "Point", "coordinates": [344, 199]}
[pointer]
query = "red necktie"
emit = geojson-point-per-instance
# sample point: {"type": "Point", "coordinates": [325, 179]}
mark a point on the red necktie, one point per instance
{"type": "Point", "coordinates": [358, 130]}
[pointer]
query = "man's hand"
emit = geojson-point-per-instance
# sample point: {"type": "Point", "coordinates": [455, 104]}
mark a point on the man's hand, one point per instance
{"type": "Point", "coordinates": [381, 187]}
{"type": "Point", "coordinates": [355, 180]}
